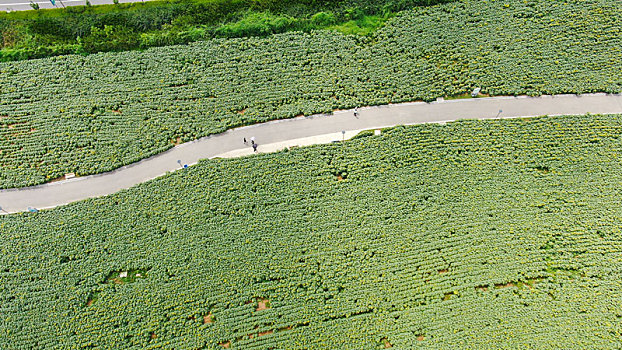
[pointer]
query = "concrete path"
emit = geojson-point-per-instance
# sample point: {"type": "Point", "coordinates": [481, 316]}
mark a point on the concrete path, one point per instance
{"type": "Point", "coordinates": [275, 135]}
{"type": "Point", "coordinates": [24, 5]}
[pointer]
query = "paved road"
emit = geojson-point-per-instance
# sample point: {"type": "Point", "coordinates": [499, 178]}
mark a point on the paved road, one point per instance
{"type": "Point", "coordinates": [301, 131]}
{"type": "Point", "coordinates": [23, 5]}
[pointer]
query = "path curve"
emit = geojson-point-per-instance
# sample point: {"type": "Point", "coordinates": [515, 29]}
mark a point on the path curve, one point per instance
{"type": "Point", "coordinates": [275, 135]}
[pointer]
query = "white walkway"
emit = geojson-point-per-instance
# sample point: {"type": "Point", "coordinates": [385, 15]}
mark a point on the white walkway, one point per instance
{"type": "Point", "coordinates": [275, 135]}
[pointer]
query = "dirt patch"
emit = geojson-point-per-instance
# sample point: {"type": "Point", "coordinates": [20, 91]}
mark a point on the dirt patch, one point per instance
{"type": "Point", "coordinates": [118, 111]}
{"type": "Point", "coordinates": [89, 302]}
{"type": "Point", "coordinates": [507, 285]}
{"type": "Point", "coordinates": [282, 329]}
{"type": "Point", "coordinates": [127, 276]}
{"type": "Point", "coordinates": [386, 343]}
{"type": "Point", "coordinates": [153, 336]}
{"type": "Point", "coordinates": [481, 288]}
{"type": "Point", "coordinates": [15, 125]}
{"type": "Point", "coordinates": [420, 337]}
{"type": "Point", "coordinates": [225, 345]}
{"type": "Point", "coordinates": [242, 111]}
{"type": "Point", "coordinates": [261, 334]}
{"type": "Point", "coordinates": [262, 304]}
{"type": "Point", "coordinates": [209, 318]}
{"type": "Point", "coordinates": [339, 178]}
{"type": "Point", "coordinates": [177, 141]}
{"type": "Point", "coordinates": [443, 271]}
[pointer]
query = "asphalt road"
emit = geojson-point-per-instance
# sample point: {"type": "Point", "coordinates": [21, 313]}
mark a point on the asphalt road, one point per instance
{"type": "Point", "coordinates": [23, 5]}
{"type": "Point", "coordinates": [300, 131]}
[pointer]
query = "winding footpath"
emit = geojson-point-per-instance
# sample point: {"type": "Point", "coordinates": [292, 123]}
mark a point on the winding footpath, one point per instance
{"type": "Point", "coordinates": [276, 135]}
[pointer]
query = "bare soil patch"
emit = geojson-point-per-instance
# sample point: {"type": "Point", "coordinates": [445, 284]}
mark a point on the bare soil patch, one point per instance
{"type": "Point", "coordinates": [262, 304]}
{"type": "Point", "coordinates": [386, 343]}
{"type": "Point", "coordinates": [261, 334]}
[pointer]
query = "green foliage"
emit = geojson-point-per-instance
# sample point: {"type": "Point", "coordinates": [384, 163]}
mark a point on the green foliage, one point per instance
{"type": "Point", "coordinates": [440, 237]}
{"type": "Point", "coordinates": [167, 23]}
{"type": "Point", "coordinates": [87, 115]}
{"type": "Point", "coordinates": [364, 25]}
{"type": "Point", "coordinates": [110, 38]}
{"type": "Point", "coordinates": [323, 19]}
{"type": "Point", "coordinates": [256, 24]}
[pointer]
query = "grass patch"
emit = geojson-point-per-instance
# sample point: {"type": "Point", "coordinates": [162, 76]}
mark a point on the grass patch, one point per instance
{"type": "Point", "coordinates": [363, 26]}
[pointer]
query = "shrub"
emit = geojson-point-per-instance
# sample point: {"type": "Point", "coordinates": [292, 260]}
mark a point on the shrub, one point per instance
{"type": "Point", "coordinates": [323, 19]}
{"type": "Point", "coordinates": [110, 38]}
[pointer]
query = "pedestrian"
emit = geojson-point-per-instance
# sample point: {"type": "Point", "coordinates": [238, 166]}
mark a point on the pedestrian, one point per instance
{"type": "Point", "coordinates": [356, 112]}
{"type": "Point", "coordinates": [245, 141]}
{"type": "Point", "coordinates": [254, 147]}
{"type": "Point", "coordinates": [253, 140]}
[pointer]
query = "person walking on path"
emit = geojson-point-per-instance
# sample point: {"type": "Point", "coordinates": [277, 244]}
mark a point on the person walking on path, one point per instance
{"type": "Point", "coordinates": [253, 140]}
{"type": "Point", "coordinates": [356, 112]}
{"type": "Point", "coordinates": [254, 147]}
{"type": "Point", "coordinates": [246, 143]}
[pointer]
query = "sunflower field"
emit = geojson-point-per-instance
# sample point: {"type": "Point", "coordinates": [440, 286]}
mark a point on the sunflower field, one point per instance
{"type": "Point", "coordinates": [86, 115]}
{"type": "Point", "coordinates": [499, 234]}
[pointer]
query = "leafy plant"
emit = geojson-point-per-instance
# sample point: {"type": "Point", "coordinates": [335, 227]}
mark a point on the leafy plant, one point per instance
{"type": "Point", "coordinates": [440, 237]}
{"type": "Point", "coordinates": [87, 115]}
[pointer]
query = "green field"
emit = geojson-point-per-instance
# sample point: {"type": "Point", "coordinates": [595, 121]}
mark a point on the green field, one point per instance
{"type": "Point", "coordinates": [476, 234]}
{"type": "Point", "coordinates": [139, 25]}
{"type": "Point", "coordinates": [92, 114]}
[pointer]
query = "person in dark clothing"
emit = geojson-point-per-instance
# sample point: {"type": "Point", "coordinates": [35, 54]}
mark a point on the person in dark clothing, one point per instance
{"type": "Point", "coordinates": [254, 147]}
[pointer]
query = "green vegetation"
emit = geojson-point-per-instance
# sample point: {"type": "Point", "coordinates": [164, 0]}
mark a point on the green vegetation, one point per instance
{"type": "Point", "coordinates": [91, 114]}
{"type": "Point", "coordinates": [121, 27]}
{"type": "Point", "coordinates": [476, 234]}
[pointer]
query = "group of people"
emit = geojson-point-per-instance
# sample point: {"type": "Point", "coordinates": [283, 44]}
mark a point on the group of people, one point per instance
{"type": "Point", "coordinates": [253, 143]}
